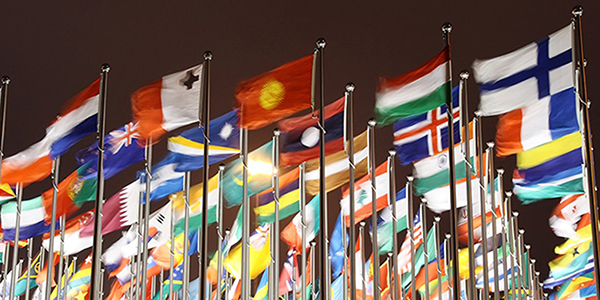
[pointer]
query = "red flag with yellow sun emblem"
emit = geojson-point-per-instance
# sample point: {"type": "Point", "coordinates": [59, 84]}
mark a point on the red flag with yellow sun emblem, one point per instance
{"type": "Point", "coordinates": [276, 94]}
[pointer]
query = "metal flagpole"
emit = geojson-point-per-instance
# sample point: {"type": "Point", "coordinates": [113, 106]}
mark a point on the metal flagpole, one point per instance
{"type": "Point", "coordinates": [587, 133]}
{"type": "Point", "coordinates": [466, 144]}
{"type": "Point", "coordinates": [365, 276]}
{"type": "Point", "coordinates": [294, 283]}
{"type": "Point", "coordinates": [67, 277]}
{"type": "Point", "coordinates": [16, 270]}
{"type": "Point", "coordinates": [186, 232]}
{"type": "Point", "coordinates": [100, 131]}
{"type": "Point", "coordinates": [423, 209]}
{"type": "Point", "coordinates": [392, 199]}
{"type": "Point", "coordinates": [447, 29]}
{"type": "Point", "coordinates": [220, 231]}
{"type": "Point", "coordinates": [503, 230]}
{"type": "Point", "coordinates": [245, 293]}
{"type": "Point", "coordinates": [205, 173]}
{"type": "Point", "coordinates": [140, 234]}
{"type": "Point", "coordinates": [275, 229]}
{"type": "Point", "coordinates": [511, 243]}
{"type": "Point", "coordinates": [227, 286]}
{"type": "Point", "coordinates": [5, 81]}
{"type": "Point", "coordinates": [313, 273]}
{"type": "Point", "coordinates": [148, 189]}
{"type": "Point", "coordinates": [518, 254]}
{"type": "Point", "coordinates": [371, 136]}
{"type": "Point", "coordinates": [101, 285]}
{"type": "Point", "coordinates": [172, 253]}
{"type": "Point", "coordinates": [390, 275]}
{"type": "Point", "coordinates": [482, 199]}
{"type": "Point", "coordinates": [527, 264]}
{"type": "Point", "coordinates": [303, 294]}
{"type": "Point", "coordinates": [349, 95]}
{"type": "Point", "coordinates": [29, 259]}
{"type": "Point", "coordinates": [16, 241]}
{"type": "Point", "coordinates": [5, 270]}
{"type": "Point", "coordinates": [411, 229]}
{"type": "Point", "coordinates": [161, 280]}
{"type": "Point", "coordinates": [447, 256]}
{"type": "Point", "coordinates": [323, 292]}
{"type": "Point", "coordinates": [55, 168]}
{"type": "Point", "coordinates": [345, 252]}
{"type": "Point", "coordinates": [490, 156]}
{"type": "Point", "coordinates": [436, 231]}
{"type": "Point", "coordinates": [61, 251]}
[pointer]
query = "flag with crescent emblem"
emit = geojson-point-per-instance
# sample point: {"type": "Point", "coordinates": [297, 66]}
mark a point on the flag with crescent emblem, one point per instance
{"type": "Point", "coordinates": [276, 94]}
{"type": "Point", "coordinates": [74, 242]}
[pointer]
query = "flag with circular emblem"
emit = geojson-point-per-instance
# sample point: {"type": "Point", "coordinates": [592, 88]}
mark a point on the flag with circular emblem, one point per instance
{"type": "Point", "coordinates": [276, 94]}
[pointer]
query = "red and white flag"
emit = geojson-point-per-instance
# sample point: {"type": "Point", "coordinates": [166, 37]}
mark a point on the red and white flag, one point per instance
{"type": "Point", "coordinates": [404, 260]}
{"type": "Point", "coordinates": [563, 220]}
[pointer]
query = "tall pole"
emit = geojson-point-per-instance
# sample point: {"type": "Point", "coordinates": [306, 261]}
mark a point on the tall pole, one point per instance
{"type": "Point", "coordinates": [423, 210]}
{"type": "Point", "coordinates": [511, 242]}
{"type": "Point", "coordinates": [466, 144]}
{"type": "Point", "coordinates": [61, 256]}
{"type": "Point", "coordinates": [371, 136]}
{"type": "Point", "coordinates": [587, 133]}
{"type": "Point", "coordinates": [205, 172]}
{"type": "Point", "coordinates": [503, 230]}
{"type": "Point", "coordinates": [392, 199]}
{"type": "Point", "coordinates": [29, 260]}
{"type": "Point", "coordinates": [482, 200]}
{"type": "Point", "coordinates": [313, 273]}
{"type": "Point", "coordinates": [447, 256]}
{"type": "Point", "coordinates": [5, 270]}
{"type": "Point", "coordinates": [365, 276]}
{"type": "Point", "coordinates": [436, 229]}
{"type": "Point", "coordinates": [490, 156]}
{"type": "Point", "coordinates": [302, 186]}
{"type": "Point", "coordinates": [351, 169]}
{"type": "Point", "coordinates": [5, 81]}
{"type": "Point", "coordinates": [345, 264]}
{"type": "Point", "coordinates": [411, 229]}
{"type": "Point", "coordinates": [220, 231]}
{"type": "Point", "coordinates": [275, 229]}
{"type": "Point", "coordinates": [323, 292]}
{"type": "Point", "coordinates": [186, 232]}
{"type": "Point", "coordinates": [16, 241]}
{"type": "Point", "coordinates": [172, 253]}
{"type": "Point", "coordinates": [518, 254]}
{"type": "Point", "coordinates": [245, 293]}
{"type": "Point", "coordinates": [148, 188]}
{"type": "Point", "coordinates": [447, 29]}
{"type": "Point", "coordinates": [49, 275]}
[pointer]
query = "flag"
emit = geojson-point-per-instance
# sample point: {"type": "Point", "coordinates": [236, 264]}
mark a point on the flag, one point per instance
{"type": "Point", "coordinates": [300, 136]}
{"type": "Point", "coordinates": [263, 286]}
{"type": "Point", "coordinates": [463, 217]}
{"type": "Point", "coordinates": [122, 149]}
{"type": "Point", "coordinates": [260, 171]}
{"type": "Point", "coordinates": [75, 121]}
{"type": "Point", "coordinates": [527, 75]}
{"type": "Point", "coordinates": [73, 191]}
{"type": "Point", "coordinates": [336, 248]}
{"type": "Point", "coordinates": [581, 287]}
{"type": "Point", "coordinates": [78, 286]}
{"type": "Point", "coordinates": [195, 204]}
{"type": "Point", "coordinates": [292, 233]}
{"type": "Point", "coordinates": [337, 289]}
{"type": "Point", "coordinates": [363, 195]}
{"type": "Point", "coordinates": [3, 246]}
{"type": "Point", "coordinates": [235, 235]}
{"type": "Point", "coordinates": [21, 285]}
{"type": "Point", "coordinates": [404, 259]}
{"type": "Point", "coordinates": [6, 193]}
{"type": "Point", "coordinates": [276, 94]}
{"type": "Point", "coordinates": [426, 134]}
{"type": "Point", "coordinates": [552, 170]}
{"type": "Point", "coordinates": [289, 197]}
{"type": "Point", "coordinates": [567, 213]}
{"type": "Point", "coordinates": [553, 282]}
{"type": "Point", "coordinates": [336, 167]}
{"type": "Point", "coordinates": [259, 249]}
{"type": "Point", "coordinates": [177, 282]}
{"type": "Point", "coordinates": [582, 235]}
{"type": "Point", "coordinates": [164, 181]}
{"type": "Point", "coordinates": [385, 227]}
{"type": "Point", "coordinates": [414, 93]}
{"type": "Point", "coordinates": [32, 222]}
{"type": "Point", "coordinates": [188, 147]}
{"type": "Point", "coordinates": [570, 262]}
{"type": "Point", "coordinates": [68, 273]}
{"type": "Point", "coordinates": [167, 104]}
{"type": "Point", "coordinates": [119, 211]}
{"type": "Point", "coordinates": [73, 242]}
{"type": "Point", "coordinates": [289, 274]}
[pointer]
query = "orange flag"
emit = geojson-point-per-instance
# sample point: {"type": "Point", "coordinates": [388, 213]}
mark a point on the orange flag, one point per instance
{"type": "Point", "coordinates": [276, 94]}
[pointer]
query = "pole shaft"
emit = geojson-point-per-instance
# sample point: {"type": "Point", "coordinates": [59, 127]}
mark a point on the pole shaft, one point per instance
{"type": "Point", "coordinates": [205, 172]}
{"type": "Point", "coordinates": [436, 229]}
{"type": "Point", "coordinates": [29, 260]}
{"type": "Point", "coordinates": [3, 99]}
{"type": "Point", "coordinates": [172, 253]}
{"type": "Point", "coordinates": [148, 189]}
{"type": "Point", "coordinates": [392, 198]}
{"type": "Point", "coordinates": [351, 170]}
{"type": "Point", "coordinates": [61, 255]}
{"type": "Point", "coordinates": [423, 210]}
{"type": "Point", "coordinates": [49, 275]}
{"type": "Point", "coordinates": [411, 229]}
{"type": "Point", "coordinates": [220, 232]}
{"type": "Point", "coordinates": [275, 232]}
{"type": "Point", "coordinates": [16, 241]}
{"type": "Point", "coordinates": [482, 201]}
{"type": "Point", "coordinates": [491, 169]}
{"type": "Point", "coordinates": [186, 232]}
{"type": "Point", "coordinates": [323, 291]}
{"type": "Point", "coordinates": [302, 178]}
{"type": "Point", "coordinates": [373, 175]}
{"type": "Point", "coordinates": [365, 276]}
{"type": "Point", "coordinates": [503, 231]}
{"type": "Point", "coordinates": [245, 295]}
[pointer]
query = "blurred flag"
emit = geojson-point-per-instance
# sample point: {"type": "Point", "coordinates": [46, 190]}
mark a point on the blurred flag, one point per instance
{"type": "Point", "coordinates": [300, 136]}
{"type": "Point", "coordinates": [73, 242]}
{"type": "Point", "coordinates": [21, 285]}
{"type": "Point", "coordinates": [292, 233]}
{"type": "Point", "coordinates": [188, 147]}
{"type": "Point", "coordinates": [363, 191]}
{"type": "Point", "coordinates": [337, 289]}
{"type": "Point", "coordinates": [263, 286]}
{"type": "Point", "coordinates": [122, 150]}
{"type": "Point", "coordinates": [572, 261]}
{"type": "Point", "coordinates": [463, 217]}
{"type": "Point", "coordinates": [289, 274]}
{"type": "Point", "coordinates": [336, 167]}
{"type": "Point", "coordinates": [336, 247]}
{"type": "Point", "coordinates": [164, 181]}
{"type": "Point", "coordinates": [567, 213]}
{"type": "Point", "coordinates": [413, 93]}
{"type": "Point", "coordinates": [289, 197]}
{"type": "Point", "coordinates": [385, 227]}
{"type": "Point", "coordinates": [582, 235]}
{"type": "Point", "coordinates": [426, 134]}
{"type": "Point", "coordinates": [259, 249]}
{"type": "Point", "coordinates": [276, 94]}
{"type": "Point", "coordinates": [527, 75]}
{"type": "Point", "coordinates": [235, 234]}
{"type": "Point", "coordinates": [32, 222]}
{"type": "Point", "coordinates": [75, 121]}
{"type": "Point", "coordinates": [581, 287]}
{"type": "Point", "coordinates": [176, 281]}
{"type": "Point", "coordinates": [169, 103]}
{"type": "Point", "coordinates": [73, 191]}
{"type": "Point", "coordinates": [6, 193]}
{"type": "Point", "coordinates": [78, 286]}
{"type": "Point", "coordinates": [66, 277]}
{"type": "Point", "coordinates": [404, 260]}
{"type": "Point", "coordinates": [553, 282]}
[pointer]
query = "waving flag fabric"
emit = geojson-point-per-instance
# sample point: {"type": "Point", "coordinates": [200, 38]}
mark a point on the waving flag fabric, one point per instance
{"type": "Point", "coordinates": [567, 213]}
{"type": "Point", "coordinates": [289, 274]}
{"type": "Point", "coordinates": [426, 134]}
{"type": "Point", "coordinates": [259, 249]}
{"type": "Point", "coordinates": [582, 235]}
{"type": "Point", "coordinates": [75, 121]}
{"type": "Point", "coordinates": [79, 284]}
{"type": "Point", "coordinates": [363, 195]}
{"type": "Point", "coordinates": [263, 286]}
{"type": "Point", "coordinates": [21, 285]}
{"type": "Point", "coordinates": [32, 221]}
{"type": "Point", "coordinates": [413, 93]}
{"type": "Point", "coordinates": [276, 94]}
{"type": "Point", "coordinates": [292, 233]}
{"type": "Point", "coordinates": [73, 191]}
{"type": "Point", "coordinates": [573, 261]}
{"type": "Point", "coordinates": [336, 248]}
{"type": "Point", "coordinates": [404, 255]}
{"type": "Point", "coordinates": [553, 282]}
{"type": "Point", "coordinates": [527, 75]}
{"type": "Point", "coordinates": [289, 197]}
{"type": "Point", "coordinates": [122, 149]}
{"type": "Point", "coordinates": [463, 218]}
{"type": "Point", "coordinates": [6, 193]}
{"type": "Point", "coordinates": [385, 227]}
{"type": "Point", "coordinates": [300, 136]}
{"type": "Point", "coordinates": [176, 281]}
{"type": "Point", "coordinates": [74, 242]}
{"type": "Point", "coordinates": [168, 103]}
{"type": "Point", "coordinates": [581, 287]}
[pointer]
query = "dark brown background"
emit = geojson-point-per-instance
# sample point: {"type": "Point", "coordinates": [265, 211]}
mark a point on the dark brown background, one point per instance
{"type": "Point", "coordinates": [51, 50]}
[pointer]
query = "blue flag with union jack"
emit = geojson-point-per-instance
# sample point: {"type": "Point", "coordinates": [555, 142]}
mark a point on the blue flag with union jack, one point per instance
{"type": "Point", "coordinates": [426, 134]}
{"type": "Point", "coordinates": [121, 151]}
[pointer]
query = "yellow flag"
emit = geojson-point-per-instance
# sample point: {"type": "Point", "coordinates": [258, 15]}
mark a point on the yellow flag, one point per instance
{"type": "Point", "coordinates": [259, 254]}
{"type": "Point", "coordinates": [584, 235]}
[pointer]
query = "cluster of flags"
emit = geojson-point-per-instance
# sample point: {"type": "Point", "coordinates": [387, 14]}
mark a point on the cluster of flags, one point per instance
{"type": "Point", "coordinates": [532, 90]}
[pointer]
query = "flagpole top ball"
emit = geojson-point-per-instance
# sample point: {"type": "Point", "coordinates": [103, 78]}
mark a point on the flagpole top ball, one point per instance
{"type": "Point", "coordinates": [448, 236]}
{"type": "Point", "coordinates": [478, 113]}
{"type": "Point", "coordinates": [362, 224]}
{"type": "Point", "coordinates": [521, 231]}
{"type": "Point", "coordinates": [447, 28]}
{"type": "Point", "coordinates": [490, 144]}
{"type": "Point", "coordinates": [424, 201]}
{"type": "Point", "coordinates": [577, 11]}
{"type": "Point", "coordinates": [500, 171]}
{"type": "Point", "coordinates": [392, 152]}
{"type": "Point", "coordinates": [5, 79]}
{"type": "Point", "coordinates": [410, 178]}
{"type": "Point", "coordinates": [350, 87]}
{"type": "Point", "coordinates": [313, 243]}
{"type": "Point", "coordinates": [221, 167]}
{"type": "Point", "coordinates": [227, 231]}
{"type": "Point", "coordinates": [464, 75]}
{"type": "Point", "coordinates": [508, 194]}
{"type": "Point", "coordinates": [321, 43]}
{"type": "Point", "coordinates": [436, 219]}
{"type": "Point", "coordinates": [533, 259]}
{"type": "Point", "coordinates": [276, 132]}
{"type": "Point", "coordinates": [372, 122]}
{"type": "Point", "coordinates": [105, 68]}
{"type": "Point", "coordinates": [515, 213]}
{"type": "Point", "coordinates": [207, 55]}
{"type": "Point", "coordinates": [527, 246]}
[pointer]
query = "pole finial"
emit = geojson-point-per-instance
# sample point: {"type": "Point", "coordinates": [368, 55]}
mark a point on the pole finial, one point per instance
{"type": "Point", "coordinates": [221, 167]}
{"type": "Point", "coordinates": [350, 87]}
{"type": "Point", "coordinates": [508, 194]}
{"type": "Point", "coordinates": [208, 55]}
{"type": "Point", "coordinates": [227, 231]}
{"type": "Point", "coordinates": [437, 219]}
{"type": "Point", "coordinates": [448, 236]}
{"type": "Point", "coordinates": [313, 243]}
{"type": "Point", "coordinates": [410, 178]}
{"type": "Point", "coordinates": [372, 122]}
{"type": "Point", "coordinates": [490, 144]}
{"type": "Point", "coordinates": [577, 11]}
{"type": "Point", "coordinates": [521, 231]}
{"type": "Point", "coordinates": [527, 246]}
{"type": "Point", "coordinates": [392, 152]}
{"type": "Point", "coordinates": [105, 68]}
{"type": "Point", "coordinates": [362, 224]}
{"type": "Point", "coordinates": [464, 74]}
{"type": "Point", "coordinates": [5, 79]}
{"type": "Point", "coordinates": [276, 132]}
{"type": "Point", "coordinates": [447, 28]}
{"type": "Point", "coordinates": [478, 113]}
{"type": "Point", "coordinates": [321, 43]}
{"type": "Point", "coordinates": [515, 213]}
{"type": "Point", "coordinates": [500, 171]}
{"type": "Point", "coordinates": [424, 201]}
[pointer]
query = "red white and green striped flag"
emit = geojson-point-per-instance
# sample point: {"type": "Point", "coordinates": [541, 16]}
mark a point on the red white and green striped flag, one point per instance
{"type": "Point", "coordinates": [413, 93]}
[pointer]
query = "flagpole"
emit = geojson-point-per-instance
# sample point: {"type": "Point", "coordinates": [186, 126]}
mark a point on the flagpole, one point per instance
{"type": "Point", "coordinates": [466, 144]}
{"type": "Point", "coordinates": [371, 136]}
{"type": "Point", "coordinates": [392, 198]}
{"type": "Point", "coordinates": [349, 95]}
{"type": "Point", "coordinates": [5, 270]}
{"type": "Point", "coordinates": [436, 229]}
{"type": "Point", "coordinates": [16, 241]}
{"type": "Point", "coordinates": [503, 230]}
{"type": "Point", "coordinates": [29, 259]}
{"type": "Point", "coordinates": [55, 168]}
{"type": "Point", "coordinates": [140, 234]}
{"type": "Point", "coordinates": [313, 274]}
{"type": "Point", "coordinates": [365, 276]}
{"type": "Point", "coordinates": [245, 293]}
{"type": "Point", "coordinates": [205, 172]}
{"type": "Point", "coordinates": [511, 246]}
{"type": "Point", "coordinates": [220, 231]}
{"type": "Point", "coordinates": [323, 292]}
{"type": "Point", "coordinates": [302, 186]}
{"type": "Point", "coordinates": [275, 229]}
{"type": "Point", "coordinates": [527, 264]}
{"type": "Point", "coordinates": [423, 209]}
{"type": "Point", "coordinates": [172, 253]}
{"type": "Point", "coordinates": [67, 277]}
{"type": "Point", "coordinates": [186, 232]}
{"type": "Point", "coordinates": [518, 253]}
{"type": "Point", "coordinates": [61, 252]}
{"type": "Point", "coordinates": [482, 199]}
{"type": "Point", "coordinates": [490, 156]}
{"type": "Point", "coordinates": [587, 140]}
{"type": "Point", "coordinates": [411, 228]}
{"type": "Point", "coordinates": [5, 81]}
{"type": "Point", "coordinates": [148, 189]}
{"type": "Point", "coordinates": [345, 252]}
{"type": "Point", "coordinates": [449, 278]}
